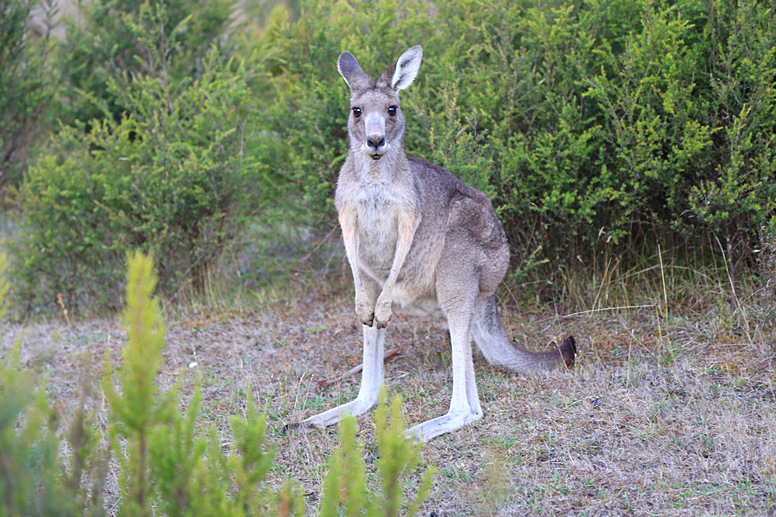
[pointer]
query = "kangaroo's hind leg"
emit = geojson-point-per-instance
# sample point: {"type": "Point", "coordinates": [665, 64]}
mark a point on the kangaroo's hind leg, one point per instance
{"type": "Point", "coordinates": [458, 305]}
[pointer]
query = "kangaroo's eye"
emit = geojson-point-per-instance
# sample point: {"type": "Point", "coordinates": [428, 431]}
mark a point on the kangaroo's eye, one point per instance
{"type": "Point", "coordinates": [392, 110]}
{"type": "Point", "coordinates": [356, 112]}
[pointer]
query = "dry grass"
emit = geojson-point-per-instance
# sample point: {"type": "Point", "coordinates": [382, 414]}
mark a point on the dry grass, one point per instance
{"type": "Point", "coordinates": [666, 413]}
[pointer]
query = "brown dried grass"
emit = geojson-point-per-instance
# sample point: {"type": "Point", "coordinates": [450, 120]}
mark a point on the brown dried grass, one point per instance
{"type": "Point", "coordinates": [669, 411]}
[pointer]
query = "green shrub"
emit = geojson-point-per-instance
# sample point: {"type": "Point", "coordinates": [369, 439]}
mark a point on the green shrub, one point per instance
{"type": "Point", "coordinates": [27, 83]}
{"type": "Point", "coordinates": [345, 487]}
{"type": "Point", "coordinates": [31, 481]}
{"type": "Point", "coordinates": [163, 459]}
{"type": "Point", "coordinates": [107, 41]}
{"type": "Point", "coordinates": [736, 194]}
{"type": "Point", "coordinates": [603, 124]}
{"type": "Point", "coordinates": [178, 174]}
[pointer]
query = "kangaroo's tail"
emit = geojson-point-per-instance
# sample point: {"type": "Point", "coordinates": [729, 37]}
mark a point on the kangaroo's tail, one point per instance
{"type": "Point", "coordinates": [492, 339]}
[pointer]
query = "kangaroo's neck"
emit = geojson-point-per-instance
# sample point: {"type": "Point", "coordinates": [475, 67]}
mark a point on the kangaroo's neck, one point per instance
{"type": "Point", "coordinates": [388, 168]}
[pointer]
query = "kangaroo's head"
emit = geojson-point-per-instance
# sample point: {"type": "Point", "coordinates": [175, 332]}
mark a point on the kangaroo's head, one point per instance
{"type": "Point", "coordinates": [376, 123]}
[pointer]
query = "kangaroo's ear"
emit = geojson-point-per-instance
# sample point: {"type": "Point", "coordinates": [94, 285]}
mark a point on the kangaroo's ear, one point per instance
{"type": "Point", "coordinates": [404, 72]}
{"type": "Point", "coordinates": [351, 71]}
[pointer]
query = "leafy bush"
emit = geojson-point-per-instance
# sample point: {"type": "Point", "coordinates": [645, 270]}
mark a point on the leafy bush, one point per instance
{"type": "Point", "coordinates": [607, 123]}
{"type": "Point", "coordinates": [164, 459]}
{"type": "Point", "coordinates": [177, 174]}
{"type": "Point", "coordinates": [108, 41]}
{"type": "Point", "coordinates": [345, 486]}
{"type": "Point", "coordinates": [27, 83]}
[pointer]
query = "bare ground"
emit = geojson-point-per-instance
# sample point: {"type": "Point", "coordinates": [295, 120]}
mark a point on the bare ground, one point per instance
{"type": "Point", "coordinates": [663, 414]}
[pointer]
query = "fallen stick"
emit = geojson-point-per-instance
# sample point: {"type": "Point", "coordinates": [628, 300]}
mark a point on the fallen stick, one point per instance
{"type": "Point", "coordinates": [326, 382]}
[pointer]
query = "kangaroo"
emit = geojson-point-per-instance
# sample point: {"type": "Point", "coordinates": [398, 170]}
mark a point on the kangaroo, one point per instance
{"type": "Point", "coordinates": [419, 241]}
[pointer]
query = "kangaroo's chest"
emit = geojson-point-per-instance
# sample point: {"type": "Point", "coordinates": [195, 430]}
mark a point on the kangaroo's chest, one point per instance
{"type": "Point", "coordinates": [377, 212]}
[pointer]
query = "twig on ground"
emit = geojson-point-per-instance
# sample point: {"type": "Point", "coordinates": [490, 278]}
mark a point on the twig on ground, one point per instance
{"type": "Point", "coordinates": [326, 382]}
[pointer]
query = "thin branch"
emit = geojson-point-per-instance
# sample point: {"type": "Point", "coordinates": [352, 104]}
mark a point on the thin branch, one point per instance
{"type": "Point", "coordinates": [610, 309]}
{"type": "Point", "coordinates": [327, 382]}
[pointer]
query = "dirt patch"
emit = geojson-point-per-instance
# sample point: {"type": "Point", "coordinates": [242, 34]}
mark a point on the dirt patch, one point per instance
{"type": "Point", "coordinates": [667, 417]}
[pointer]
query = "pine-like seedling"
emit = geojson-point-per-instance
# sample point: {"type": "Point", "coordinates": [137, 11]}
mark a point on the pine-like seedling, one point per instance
{"type": "Point", "coordinates": [135, 404]}
{"type": "Point", "coordinates": [176, 456]}
{"type": "Point", "coordinates": [30, 470]}
{"type": "Point", "coordinates": [249, 464]}
{"type": "Point", "coordinates": [345, 486]}
{"type": "Point", "coordinates": [398, 456]}
{"type": "Point", "coordinates": [165, 462]}
{"type": "Point", "coordinates": [166, 465]}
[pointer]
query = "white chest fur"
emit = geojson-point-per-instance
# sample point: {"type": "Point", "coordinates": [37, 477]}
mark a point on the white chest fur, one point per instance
{"type": "Point", "coordinates": [377, 213]}
{"type": "Point", "coordinates": [376, 209]}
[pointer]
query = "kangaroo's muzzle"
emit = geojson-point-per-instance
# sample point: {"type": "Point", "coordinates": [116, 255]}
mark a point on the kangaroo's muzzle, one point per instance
{"type": "Point", "coordinates": [374, 127]}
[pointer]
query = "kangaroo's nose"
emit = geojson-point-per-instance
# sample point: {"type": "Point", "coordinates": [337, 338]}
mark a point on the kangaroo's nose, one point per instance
{"type": "Point", "coordinates": [374, 130]}
{"type": "Point", "coordinates": [373, 142]}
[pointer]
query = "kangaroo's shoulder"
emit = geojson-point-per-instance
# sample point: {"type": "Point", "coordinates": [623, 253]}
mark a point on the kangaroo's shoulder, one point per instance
{"type": "Point", "coordinates": [468, 210]}
{"type": "Point", "coordinates": [431, 173]}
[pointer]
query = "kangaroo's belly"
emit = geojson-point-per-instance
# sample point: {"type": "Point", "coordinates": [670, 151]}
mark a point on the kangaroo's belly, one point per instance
{"type": "Point", "coordinates": [376, 251]}
{"type": "Point", "coordinates": [408, 300]}
{"type": "Point", "coordinates": [377, 212]}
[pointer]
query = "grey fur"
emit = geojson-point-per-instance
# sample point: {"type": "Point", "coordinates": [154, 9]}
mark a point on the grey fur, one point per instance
{"type": "Point", "coordinates": [419, 241]}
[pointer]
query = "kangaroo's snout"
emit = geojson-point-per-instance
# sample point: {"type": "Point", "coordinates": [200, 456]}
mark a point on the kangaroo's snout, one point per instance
{"type": "Point", "coordinates": [374, 127]}
{"type": "Point", "coordinates": [375, 147]}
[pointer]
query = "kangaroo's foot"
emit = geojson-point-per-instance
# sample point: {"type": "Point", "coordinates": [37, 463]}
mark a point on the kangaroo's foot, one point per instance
{"type": "Point", "coordinates": [332, 416]}
{"type": "Point", "coordinates": [441, 425]}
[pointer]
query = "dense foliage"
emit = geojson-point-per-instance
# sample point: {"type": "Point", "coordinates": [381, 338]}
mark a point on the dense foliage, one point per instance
{"type": "Point", "coordinates": [27, 83]}
{"type": "Point", "coordinates": [597, 123]}
{"type": "Point", "coordinates": [178, 173]}
{"type": "Point", "coordinates": [618, 125]}
{"type": "Point", "coordinates": [105, 42]}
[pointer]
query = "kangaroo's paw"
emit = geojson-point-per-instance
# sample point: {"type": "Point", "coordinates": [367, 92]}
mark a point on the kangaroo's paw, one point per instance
{"type": "Point", "coordinates": [365, 314]}
{"type": "Point", "coordinates": [383, 312]}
